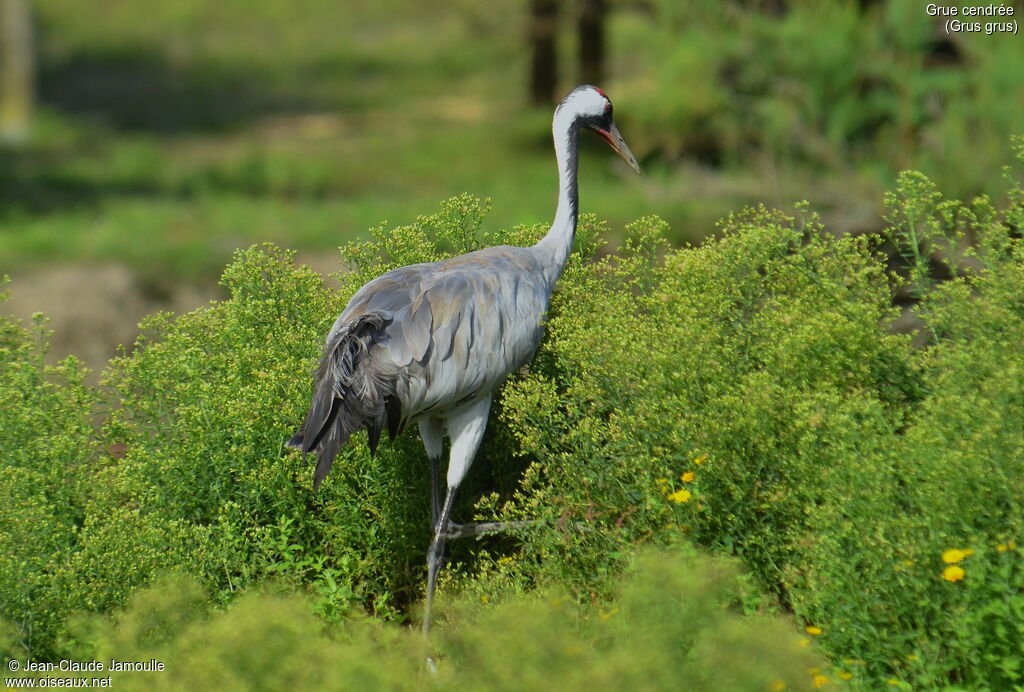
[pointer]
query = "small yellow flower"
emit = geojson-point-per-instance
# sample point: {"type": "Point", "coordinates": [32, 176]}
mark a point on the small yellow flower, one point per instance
{"type": "Point", "coordinates": [953, 556]}
{"type": "Point", "coordinates": [1002, 547]}
{"type": "Point", "coordinates": [845, 675]}
{"type": "Point", "coordinates": [819, 681]}
{"type": "Point", "coordinates": [953, 573]}
{"type": "Point", "coordinates": [777, 686]}
{"type": "Point", "coordinates": [813, 629]}
{"type": "Point", "coordinates": [681, 496]}
{"type": "Point", "coordinates": [893, 681]}
{"type": "Point", "coordinates": [687, 477]}
{"type": "Point", "coordinates": [484, 599]}
{"type": "Point", "coordinates": [662, 481]}
{"type": "Point", "coordinates": [803, 641]}
{"type": "Point", "coordinates": [701, 459]}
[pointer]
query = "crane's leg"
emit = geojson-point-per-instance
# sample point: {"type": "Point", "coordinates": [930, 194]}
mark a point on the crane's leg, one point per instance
{"type": "Point", "coordinates": [432, 434]}
{"type": "Point", "coordinates": [466, 429]}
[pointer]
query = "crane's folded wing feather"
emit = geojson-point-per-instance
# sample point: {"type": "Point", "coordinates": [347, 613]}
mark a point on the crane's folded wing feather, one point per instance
{"type": "Point", "coordinates": [422, 338]}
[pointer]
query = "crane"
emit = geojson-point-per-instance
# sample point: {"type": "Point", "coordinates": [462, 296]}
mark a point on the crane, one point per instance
{"type": "Point", "coordinates": [429, 343]}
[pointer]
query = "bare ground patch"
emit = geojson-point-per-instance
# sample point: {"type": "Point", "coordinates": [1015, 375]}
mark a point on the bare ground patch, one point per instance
{"type": "Point", "coordinates": [92, 309]}
{"type": "Point", "coordinates": [95, 308]}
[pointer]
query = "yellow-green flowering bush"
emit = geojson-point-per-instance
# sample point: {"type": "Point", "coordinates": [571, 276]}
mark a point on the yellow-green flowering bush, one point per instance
{"type": "Point", "coordinates": [46, 444]}
{"type": "Point", "coordinates": [205, 403]}
{"type": "Point", "coordinates": [686, 606]}
{"type": "Point", "coordinates": [749, 393]}
{"type": "Point", "coordinates": [752, 366]}
{"type": "Point", "coordinates": [920, 572]}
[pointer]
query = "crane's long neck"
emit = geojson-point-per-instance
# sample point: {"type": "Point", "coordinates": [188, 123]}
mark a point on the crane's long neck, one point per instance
{"type": "Point", "coordinates": [553, 249]}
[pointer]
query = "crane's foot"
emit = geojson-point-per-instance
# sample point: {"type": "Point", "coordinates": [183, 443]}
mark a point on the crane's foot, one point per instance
{"type": "Point", "coordinates": [482, 528]}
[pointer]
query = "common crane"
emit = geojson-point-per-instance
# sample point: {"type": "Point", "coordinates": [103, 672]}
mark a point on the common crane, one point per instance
{"type": "Point", "coordinates": [430, 343]}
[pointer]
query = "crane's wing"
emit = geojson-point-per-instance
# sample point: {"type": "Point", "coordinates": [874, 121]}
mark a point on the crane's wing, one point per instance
{"type": "Point", "coordinates": [422, 338]}
{"type": "Point", "coordinates": [485, 321]}
{"type": "Point", "coordinates": [350, 392]}
{"type": "Point", "coordinates": [354, 385]}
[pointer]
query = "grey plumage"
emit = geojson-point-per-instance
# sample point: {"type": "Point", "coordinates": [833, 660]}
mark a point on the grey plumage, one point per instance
{"type": "Point", "coordinates": [423, 339]}
{"type": "Point", "coordinates": [429, 343]}
{"type": "Point", "coordinates": [352, 389]}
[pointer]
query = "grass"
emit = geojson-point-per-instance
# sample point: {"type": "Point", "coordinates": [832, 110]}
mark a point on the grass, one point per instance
{"type": "Point", "coordinates": [169, 148]}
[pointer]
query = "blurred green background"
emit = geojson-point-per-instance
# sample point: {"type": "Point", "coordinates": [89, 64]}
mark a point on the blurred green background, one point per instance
{"type": "Point", "coordinates": [167, 134]}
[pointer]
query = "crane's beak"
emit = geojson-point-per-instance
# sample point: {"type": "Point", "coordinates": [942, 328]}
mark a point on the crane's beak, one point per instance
{"type": "Point", "coordinates": [615, 141]}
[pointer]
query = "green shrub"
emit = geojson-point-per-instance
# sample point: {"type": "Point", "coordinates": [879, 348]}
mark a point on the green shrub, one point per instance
{"type": "Point", "coordinates": [717, 390]}
{"type": "Point", "coordinates": [206, 402]}
{"type": "Point", "coordinates": [46, 442]}
{"type": "Point", "coordinates": [684, 603]}
{"type": "Point", "coordinates": [262, 641]}
{"type": "Point", "coordinates": [749, 393]}
{"type": "Point", "coordinates": [883, 564]}
{"type": "Point", "coordinates": [673, 623]}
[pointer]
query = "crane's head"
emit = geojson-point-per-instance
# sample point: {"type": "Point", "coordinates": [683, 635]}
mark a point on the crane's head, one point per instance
{"type": "Point", "coordinates": [589, 107]}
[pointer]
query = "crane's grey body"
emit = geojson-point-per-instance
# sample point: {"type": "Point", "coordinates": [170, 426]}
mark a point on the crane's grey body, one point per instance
{"type": "Point", "coordinates": [438, 337]}
{"type": "Point", "coordinates": [429, 343]}
{"type": "Point", "coordinates": [455, 328]}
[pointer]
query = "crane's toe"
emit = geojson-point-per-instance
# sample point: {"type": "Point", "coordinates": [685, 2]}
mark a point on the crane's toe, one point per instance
{"type": "Point", "coordinates": [481, 528]}
{"type": "Point", "coordinates": [454, 530]}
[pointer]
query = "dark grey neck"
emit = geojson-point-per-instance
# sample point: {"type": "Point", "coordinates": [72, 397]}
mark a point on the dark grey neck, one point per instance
{"type": "Point", "coordinates": [572, 168]}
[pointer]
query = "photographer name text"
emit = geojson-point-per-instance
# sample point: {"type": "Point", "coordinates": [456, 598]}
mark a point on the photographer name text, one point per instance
{"type": "Point", "coordinates": [69, 666]}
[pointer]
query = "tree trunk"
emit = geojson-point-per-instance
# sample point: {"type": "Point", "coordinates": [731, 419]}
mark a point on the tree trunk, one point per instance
{"type": "Point", "coordinates": [543, 66]}
{"type": "Point", "coordinates": [16, 72]}
{"type": "Point", "coordinates": [590, 30]}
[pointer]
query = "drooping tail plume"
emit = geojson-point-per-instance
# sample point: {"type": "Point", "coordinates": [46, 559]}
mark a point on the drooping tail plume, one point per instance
{"type": "Point", "coordinates": [353, 389]}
